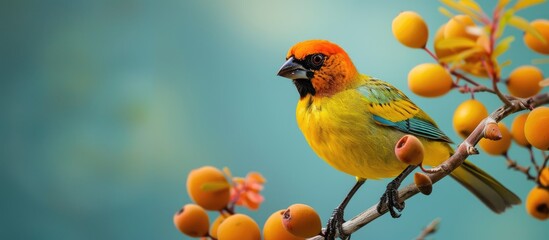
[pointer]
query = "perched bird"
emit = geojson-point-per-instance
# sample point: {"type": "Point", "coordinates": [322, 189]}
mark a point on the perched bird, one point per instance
{"type": "Point", "coordinates": [353, 121]}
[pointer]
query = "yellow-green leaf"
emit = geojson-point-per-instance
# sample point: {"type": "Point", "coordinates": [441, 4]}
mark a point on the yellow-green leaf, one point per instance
{"type": "Point", "coordinates": [540, 61]}
{"type": "Point", "coordinates": [502, 4]}
{"type": "Point", "coordinates": [461, 8]}
{"type": "Point", "coordinates": [215, 186]}
{"type": "Point", "coordinates": [521, 4]}
{"type": "Point", "coordinates": [227, 172]}
{"type": "Point", "coordinates": [452, 43]}
{"type": "Point", "coordinates": [503, 46]}
{"type": "Point", "coordinates": [445, 12]}
{"type": "Point", "coordinates": [524, 25]}
{"type": "Point", "coordinates": [461, 55]}
{"type": "Point", "coordinates": [472, 5]}
{"type": "Point", "coordinates": [503, 22]}
{"type": "Point", "coordinates": [506, 63]}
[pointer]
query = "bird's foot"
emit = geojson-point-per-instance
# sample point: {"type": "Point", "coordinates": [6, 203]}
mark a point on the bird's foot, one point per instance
{"type": "Point", "coordinates": [390, 197]}
{"type": "Point", "coordinates": [335, 225]}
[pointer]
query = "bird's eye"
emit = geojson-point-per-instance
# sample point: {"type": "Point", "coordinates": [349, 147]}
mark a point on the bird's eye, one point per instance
{"type": "Point", "coordinates": [317, 60]}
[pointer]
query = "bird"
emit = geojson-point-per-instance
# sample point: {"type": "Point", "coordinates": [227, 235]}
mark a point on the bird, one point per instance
{"type": "Point", "coordinates": [352, 121]}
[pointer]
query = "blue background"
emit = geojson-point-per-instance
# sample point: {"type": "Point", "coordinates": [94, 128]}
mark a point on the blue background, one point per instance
{"type": "Point", "coordinates": [107, 105]}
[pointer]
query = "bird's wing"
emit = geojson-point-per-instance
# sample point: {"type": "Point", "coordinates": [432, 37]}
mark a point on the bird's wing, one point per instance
{"type": "Point", "coordinates": [390, 107]}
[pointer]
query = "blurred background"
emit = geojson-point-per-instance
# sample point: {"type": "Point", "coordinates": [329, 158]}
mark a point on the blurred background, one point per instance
{"type": "Point", "coordinates": [108, 104]}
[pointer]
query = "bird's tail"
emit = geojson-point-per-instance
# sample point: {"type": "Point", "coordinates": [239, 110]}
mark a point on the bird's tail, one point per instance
{"type": "Point", "coordinates": [485, 187]}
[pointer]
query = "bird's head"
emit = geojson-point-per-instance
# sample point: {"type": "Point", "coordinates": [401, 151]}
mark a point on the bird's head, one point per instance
{"type": "Point", "coordinates": [318, 68]}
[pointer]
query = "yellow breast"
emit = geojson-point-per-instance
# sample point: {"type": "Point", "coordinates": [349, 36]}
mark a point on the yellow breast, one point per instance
{"type": "Point", "coordinates": [341, 131]}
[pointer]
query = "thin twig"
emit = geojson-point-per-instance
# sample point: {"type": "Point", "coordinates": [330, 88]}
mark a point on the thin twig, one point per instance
{"type": "Point", "coordinates": [489, 63]}
{"type": "Point", "coordinates": [434, 56]}
{"type": "Point", "coordinates": [533, 158]}
{"type": "Point", "coordinates": [445, 168]}
{"type": "Point", "coordinates": [466, 78]}
{"type": "Point", "coordinates": [479, 88]}
{"type": "Point", "coordinates": [429, 229]}
{"type": "Point", "coordinates": [495, 79]}
{"type": "Point", "coordinates": [514, 165]}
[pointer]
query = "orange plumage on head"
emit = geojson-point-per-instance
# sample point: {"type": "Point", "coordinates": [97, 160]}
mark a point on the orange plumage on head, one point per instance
{"type": "Point", "coordinates": [337, 72]}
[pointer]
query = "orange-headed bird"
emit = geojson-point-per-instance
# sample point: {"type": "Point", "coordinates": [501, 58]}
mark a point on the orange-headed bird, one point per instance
{"type": "Point", "coordinates": [353, 121]}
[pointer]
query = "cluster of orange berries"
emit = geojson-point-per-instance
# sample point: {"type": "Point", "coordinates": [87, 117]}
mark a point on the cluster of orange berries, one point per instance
{"type": "Point", "coordinates": [457, 48]}
{"type": "Point", "coordinates": [461, 47]}
{"type": "Point", "coordinates": [528, 129]}
{"type": "Point", "coordinates": [210, 190]}
{"type": "Point", "coordinates": [537, 202]}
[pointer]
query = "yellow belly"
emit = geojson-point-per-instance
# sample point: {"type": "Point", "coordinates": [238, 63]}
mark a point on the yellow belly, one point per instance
{"type": "Point", "coordinates": [342, 132]}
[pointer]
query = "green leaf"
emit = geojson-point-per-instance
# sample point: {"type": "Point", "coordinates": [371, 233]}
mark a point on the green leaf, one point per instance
{"type": "Point", "coordinates": [524, 25]}
{"type": "Point", "coordinates": [215, 186]}
{"type": "Point", "coordinates": [521, 4]}
{"type": "Point", "coordinates": [452, 43]}
{"type": "Point", "coordinates": [503, 46]}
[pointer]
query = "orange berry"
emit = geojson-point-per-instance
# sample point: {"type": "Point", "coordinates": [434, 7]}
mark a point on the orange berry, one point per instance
{"type": "Point", "coordinates": [441, 52]}
{"type": "Point", "coordinates": [500, 146]}
{"type": "Point", "coordinates": [536, 128]}
{"type": "Point", "coordinates": [537, 203]}
{"type": "Point", "coordinates": [542, 26]}
{"type": "Point", "coordinates": [274, 230]}
{"type": "Point", "coordinates": [517, 130]}
{"type": "Point", "coordinates": [410, 29]}
{"type": "Point", "coordinates": [423, 183]}
{"type": "Point", "coordinates": [524, 81]}
{"type": "Point", "coordinates": [215, 225]}
{"type": "Point", "coordinates": [429, 80]}
{"type": "Point", "coordinates": [209, 199]}
{"type": "Point", "coordinates": [238, 227]}
{"type": "Point", "coordinates": [301, 220]}
{"type": "Point", "coordinates": [544, 177]}
{"type": "Point", "coordinates": [467, 116]}
{"type": "Point", "coordinates": [409, 150]}
{"type": "Point", "coordinates": [457, 27]}
{"type": "Point", "coordinates": [192, 220]}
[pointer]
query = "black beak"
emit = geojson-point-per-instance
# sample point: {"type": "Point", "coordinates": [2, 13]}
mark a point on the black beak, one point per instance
{"type": "Point", "coordinates": [293, 70]}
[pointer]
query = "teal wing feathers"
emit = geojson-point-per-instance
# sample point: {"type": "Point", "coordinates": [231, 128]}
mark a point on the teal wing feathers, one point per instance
{"type": "Point", "coordinates": [390, 107]}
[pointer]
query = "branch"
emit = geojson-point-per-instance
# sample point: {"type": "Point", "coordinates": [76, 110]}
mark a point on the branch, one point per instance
{"type": "Point", "coordinates": [430, 229]}
{"type": "Point", "coordinates": [533, 158]}
{"type": "Point", "coordinates": [515, 166]}
{"type": "Point", "coordinates": [465, 149]}
{"type": "Point", "coordinates": [495, 79]}
{"type": "Point", "coordinates": [479, 88]}
{"type": "Point", "coordinates": [464, 77]}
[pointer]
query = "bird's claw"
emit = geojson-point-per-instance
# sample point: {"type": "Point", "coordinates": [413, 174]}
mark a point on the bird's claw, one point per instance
{"type": "Point", "coordinates": [390, 197]}
{"type": "Point", "coordinates": [335, 225]}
